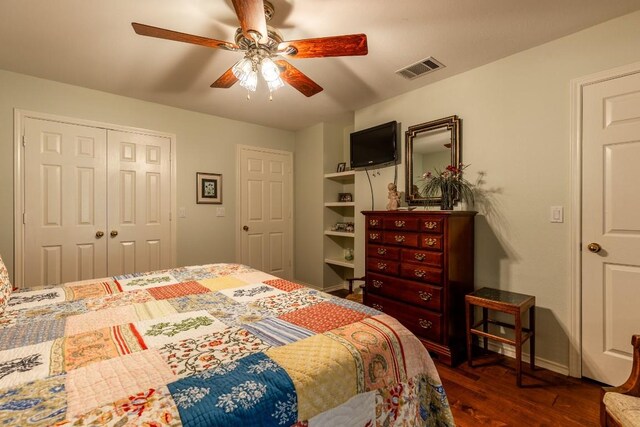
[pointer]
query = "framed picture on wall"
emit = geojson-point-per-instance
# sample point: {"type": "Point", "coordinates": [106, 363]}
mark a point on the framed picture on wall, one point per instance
{"type": "Point", "coordinates": [209, 188]}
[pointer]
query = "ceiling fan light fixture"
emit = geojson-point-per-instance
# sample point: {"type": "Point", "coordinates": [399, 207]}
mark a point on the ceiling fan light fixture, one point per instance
{"type": "Point", "coordinates": [270, 71]}
{"type": "Point", "coordinates": [275, 84]}
{"type": "Point", "coordinates": [242, 68]}
{"type": "Point", "coordinates": [250, 82]}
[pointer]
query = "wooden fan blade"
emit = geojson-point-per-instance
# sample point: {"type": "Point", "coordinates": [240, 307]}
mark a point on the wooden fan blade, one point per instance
{"type": "Point", "coordinates": [162, 33]}
{"type": "Point", "coordinates": [349, 45]}
{"type": "Point", "coordinates": [297, 79]}
{"type": "Point", "coordinates": [226, 80]}
{"type": "Point", "coordinates": [252, 20]}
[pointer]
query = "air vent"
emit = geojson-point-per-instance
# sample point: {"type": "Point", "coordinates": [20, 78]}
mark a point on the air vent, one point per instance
{"type": "Point", "coordinates": [420, 68]}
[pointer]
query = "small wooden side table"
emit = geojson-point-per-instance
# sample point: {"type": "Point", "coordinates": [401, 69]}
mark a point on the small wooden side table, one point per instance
{"type": "Point", "coordinates": [506, 302]}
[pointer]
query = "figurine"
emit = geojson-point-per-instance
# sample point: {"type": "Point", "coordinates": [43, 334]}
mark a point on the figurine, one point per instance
{"type": "Point", "coordinates": [394, 197]}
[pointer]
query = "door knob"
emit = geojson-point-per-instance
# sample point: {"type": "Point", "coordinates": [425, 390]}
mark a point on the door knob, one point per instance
{"type": "Point", "coordinates": [113, 233]}
{"type": "Point", "coordinates": [594, 247]}
{"type": "Point", "coordinates": [99, 234]}
{"type": "Point", "coordinates": [245, 228]}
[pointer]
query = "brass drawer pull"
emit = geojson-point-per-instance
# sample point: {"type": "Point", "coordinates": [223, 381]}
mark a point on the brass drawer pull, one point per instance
{"type": "Point", "coordinates": [382, 266]}
{"type": "Point", "coordinates": [382, 251]}
{"type": "Point", "coordinates": [399, 239]}
{"type": "Point", "coordinates": [374, 222]}
{"type": "Point", "coordinates": [425, 296]}
{"type": "Point", "coordinates": [419, 273]}
{"type": "Point", "coordinates": [430, 225]}
{"type": "Point", "coordinates": [426, 324]}
{"type": "Point", "coordinates": [374, 236]}
{"type": "Point", "coordinates": [419, 257]}
{"type": "Point", "coordinates": [377, 283]}
{"type": "Point", "coordinates": [430, 242]}
{"type": "Point", "coordinates": [400, 224]}
{"type": "Point", "coordinates": [377, 306]}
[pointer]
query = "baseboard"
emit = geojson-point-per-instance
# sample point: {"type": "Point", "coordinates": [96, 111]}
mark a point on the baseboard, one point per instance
{"type": "Point", "coordinates": [509, 351]}
{"type": "Point", "coordinates": [337, 287]}
{"type": "Point", "coordinates": [320, 288]}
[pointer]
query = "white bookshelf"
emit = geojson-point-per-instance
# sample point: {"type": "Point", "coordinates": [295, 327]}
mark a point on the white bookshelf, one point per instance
{"type": "Point", "coordinates": [337, 243]}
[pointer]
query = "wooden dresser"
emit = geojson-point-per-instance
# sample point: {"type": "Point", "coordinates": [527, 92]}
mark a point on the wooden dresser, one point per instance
{"type": "Point", "coordinates": [419, 267]}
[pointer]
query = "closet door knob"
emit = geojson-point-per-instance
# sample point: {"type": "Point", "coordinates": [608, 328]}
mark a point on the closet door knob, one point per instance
{"type": "Point", "coordinates": [113, 233]}
{"type": "Point", "coordinates": [594, 247]}
{"type": "Point", "coordinates": [99, 234]}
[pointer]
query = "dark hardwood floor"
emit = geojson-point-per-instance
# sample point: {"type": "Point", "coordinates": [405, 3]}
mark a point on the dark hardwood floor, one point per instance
{"type": "Point", "coordinates": [487, 395]}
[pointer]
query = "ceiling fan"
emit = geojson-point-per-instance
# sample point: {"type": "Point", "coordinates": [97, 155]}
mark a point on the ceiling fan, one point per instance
{"type": "Point", "coordinates": [265, 49]}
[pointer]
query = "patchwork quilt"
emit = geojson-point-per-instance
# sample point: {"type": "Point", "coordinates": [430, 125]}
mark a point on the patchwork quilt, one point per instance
{"type": "Point", "coordinates": [210, 345]}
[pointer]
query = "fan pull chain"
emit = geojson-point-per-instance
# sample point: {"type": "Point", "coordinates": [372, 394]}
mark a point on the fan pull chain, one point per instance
{"type": "Point", "coordinates": [248, 96]}
{"type": "Point", "coordinates": [270, 96]}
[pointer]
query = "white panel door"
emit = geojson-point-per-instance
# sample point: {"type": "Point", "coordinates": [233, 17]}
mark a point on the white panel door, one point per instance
{"type": "Point", "coordinates": [139, 196]}
{"type": "Point", "coordinates": [611, 202]}
{"type": "Point", "coordinates": [266, 188]}
{"type": "Point", "coordinates": [64, 202]}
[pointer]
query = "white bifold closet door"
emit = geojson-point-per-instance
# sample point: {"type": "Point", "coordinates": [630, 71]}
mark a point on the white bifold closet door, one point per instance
{"type": "Point", "coordinates": [96, 202]}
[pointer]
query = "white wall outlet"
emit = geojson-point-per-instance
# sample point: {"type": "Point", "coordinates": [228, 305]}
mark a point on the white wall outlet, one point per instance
{"type": "Point", "coordinates": [220, 211]}
{"type": "Point", "coordinates": [182, 212]}
{"type": "Point", "coordinates": [557, 214]}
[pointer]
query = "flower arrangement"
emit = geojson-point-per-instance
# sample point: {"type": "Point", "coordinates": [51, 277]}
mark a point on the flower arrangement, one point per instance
{"type": "Point", "coordinates": [449, 185]}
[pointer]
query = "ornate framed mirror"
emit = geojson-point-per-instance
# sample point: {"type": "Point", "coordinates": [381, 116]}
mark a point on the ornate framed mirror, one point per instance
{"type": "Point", "coordinates": [430, 146]}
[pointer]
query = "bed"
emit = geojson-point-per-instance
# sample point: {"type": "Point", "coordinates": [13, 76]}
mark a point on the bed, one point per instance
{"type": "Point", "coordinates": [208, 345]}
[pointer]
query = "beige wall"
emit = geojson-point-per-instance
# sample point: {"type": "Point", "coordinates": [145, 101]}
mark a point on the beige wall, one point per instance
{"type": "Point", "coordinates": [308, 192]}
{"type": "Point", "coordinates": [516, 128]}
{"type": "Point", "coordinates": [204, 144]}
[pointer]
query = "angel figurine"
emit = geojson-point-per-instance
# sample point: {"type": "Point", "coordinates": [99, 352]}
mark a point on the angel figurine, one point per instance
{"type": "Point", "coordinates": [394, 197]}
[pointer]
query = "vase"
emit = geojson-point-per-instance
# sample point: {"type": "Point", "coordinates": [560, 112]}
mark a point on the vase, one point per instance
{"type": "Point", "coordinates": [446, 199]}
{"type": "Point", "coordinates": [348, 254]}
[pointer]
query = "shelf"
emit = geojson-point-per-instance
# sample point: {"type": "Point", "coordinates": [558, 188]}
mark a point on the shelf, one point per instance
{"type": "Point", "coordinates": [339, 233]}
{"type": "Point", "coordinates": [334, 247]}
{"type": "Point", "coordinates": [339, 204]}
{"type": "Point", "coordinates": [341, 176]}
{"type": "Point", "coordinates": [340, 262]}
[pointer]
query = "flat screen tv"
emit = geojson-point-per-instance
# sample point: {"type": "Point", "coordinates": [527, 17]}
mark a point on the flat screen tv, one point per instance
{"type": "Point", "coordinates": [374, 146]}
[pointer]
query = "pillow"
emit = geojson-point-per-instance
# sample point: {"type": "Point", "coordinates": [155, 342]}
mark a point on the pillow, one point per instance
{"type": "Point", "coordinates": [5, 286]}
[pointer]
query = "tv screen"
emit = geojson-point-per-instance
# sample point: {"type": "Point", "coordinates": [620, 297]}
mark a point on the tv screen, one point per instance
{"type": "Point", "coordinates": [374, 146]}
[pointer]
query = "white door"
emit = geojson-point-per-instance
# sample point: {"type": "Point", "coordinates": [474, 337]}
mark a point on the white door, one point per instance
{"type": "Point", "coordinates": [96, 202]}
{"type": "Point", "coordinates": [266, 217]}
{"type": "Point", "coordinates": [65, 202]}
{"type": "Point", "coordinates": [611, 202]}
{"type": "Point", "coordinates": [139, 202]}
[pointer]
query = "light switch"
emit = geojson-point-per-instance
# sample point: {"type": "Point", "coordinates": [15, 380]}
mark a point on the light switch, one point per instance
{"type": "Point", "coordinates": [182, 212]}
{"type": "Point", "coordinates": [220, 211]}
{"type": "Point", "coordinates": [557, 214]}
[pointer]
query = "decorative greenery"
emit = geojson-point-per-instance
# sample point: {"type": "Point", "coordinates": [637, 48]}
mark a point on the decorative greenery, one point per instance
{"type": "Point", "coordinates": [448, 184]}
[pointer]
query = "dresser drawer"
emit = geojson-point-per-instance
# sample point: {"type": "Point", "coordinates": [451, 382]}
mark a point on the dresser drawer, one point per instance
{"type": "Point", "coordinates": [414, 293]}
{"type": "Point", "coordinates": [422, 322]}
{"type": "Point", "coordinates": [384, 252]}
{"type": "Point", "coordinates": [431, 242]}
{"type": "Point", "coordinates": [374, 236]}
{"type": "Point", "coordinates": [383, 266]}
{"type": "Point", "coordinates": [421, 272]}
{"type": "Point", "coordinates": [374, 222]}
{"type": "Point", "coordinates": [410, 224]}
{"type": "Point", "coordinates": [401, 238]}
{"type": "Point", "coordinates": [431, 225]}
{"type": "Point", "coordinates": [433, 259]}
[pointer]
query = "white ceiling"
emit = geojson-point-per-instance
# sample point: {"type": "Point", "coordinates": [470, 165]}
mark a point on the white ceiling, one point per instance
{"type": "Point", "coordinates": [90, 43]}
